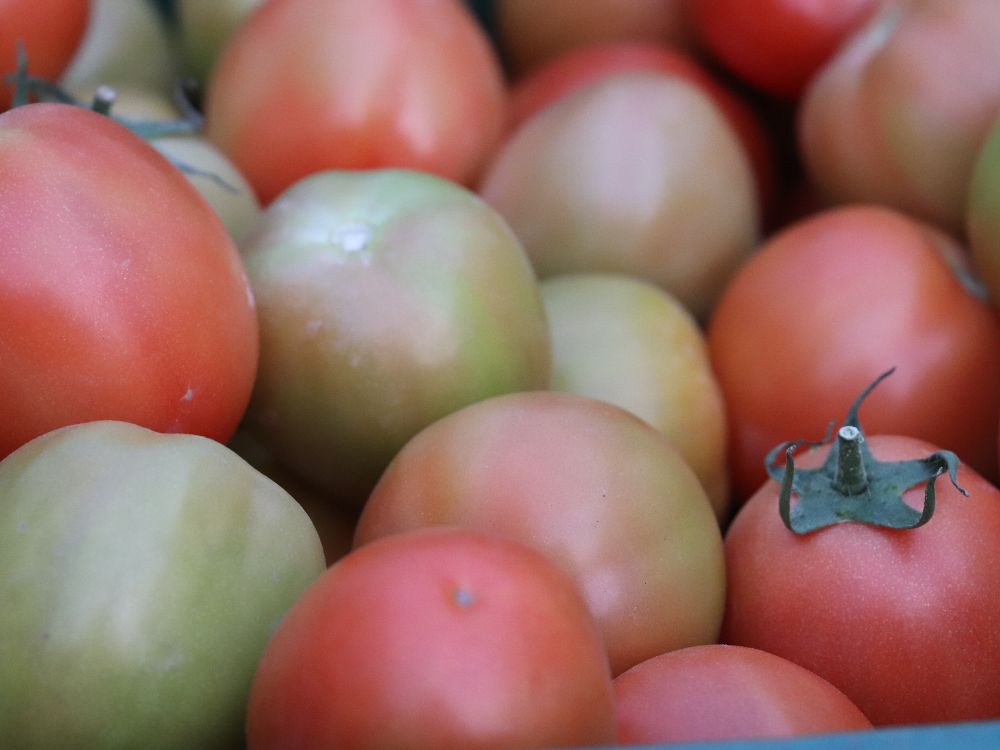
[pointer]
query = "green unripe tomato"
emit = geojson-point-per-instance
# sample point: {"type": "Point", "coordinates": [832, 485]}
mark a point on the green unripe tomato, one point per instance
{"type": "Point", "coordinates": [387, 299]}
{"type": "Point", "coordinates": [142, 577]}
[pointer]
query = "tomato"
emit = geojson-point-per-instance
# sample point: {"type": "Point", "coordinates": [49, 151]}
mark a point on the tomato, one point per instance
{"type": "Point", "coordinates": [628, 342]}
{"type": "Point", "coordinates": [721, 692]}
{"type": "Point", "coordinates": [831, 301]}
{"type": "Point", "coordinates": [121, 294]}
{"type": "Point", "coordinates": [308, 85]}
{"type": "Point", "coordinates": [777, 45]}
{"type": "Point", "coordinates": [142, 577]}
{"type": "Point", "coordinates": [387, 299]}
{"type": "Point", "coordinates": [50, 32]}
{"type": "Point", "coordinates": [204, 29]}
{"type": "Point", "coordinates": [593, 487]}
{"type": "Point", "coordinates": [661, 188]}
{"type": "Point", "coordinates": [904, 622]}
{"type": "Point", "coordinates": [438, 638]}
{"type": "Point", "coordinates": [531, 33]}
{"type": "Point", "coordinates": [982, 220]}
{"type": "Point", "coordinates": [580, 66]}
{"type": "Point", "coordinates": [125, 44]}
{"type": "Point", "coordinates": [899, 114]}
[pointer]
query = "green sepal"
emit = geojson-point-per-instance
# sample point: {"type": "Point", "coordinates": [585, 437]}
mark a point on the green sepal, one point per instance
{"type": "Point", "coordinates": [824, 500]}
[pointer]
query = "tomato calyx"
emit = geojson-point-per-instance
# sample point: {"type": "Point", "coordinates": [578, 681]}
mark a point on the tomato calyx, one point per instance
{"type": "Point", "coordinates": [852, 485]}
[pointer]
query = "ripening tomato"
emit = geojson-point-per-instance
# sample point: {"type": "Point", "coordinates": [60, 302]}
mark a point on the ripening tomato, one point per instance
{"type": "Point", "coordinates": [569, 71]}
{"type": "Point", "coordinates": [636, 173]}
{"type": "Point", "coordinates": [307, 85]}
{"type": "Point", "coordinates": [593, 487]}
{"type": "Point", "coordinates": [122, 296]}
{"type": "Point", "coordinates": [628, 342]}
{"type": "Point", "coordinates": [904, 621]}
{"type": "Point", "coordinates": [437, 639]}
{"type": "Point", "coordinates": [833, 300]}
{"type": "Point", "coordinates": [50, 32]}
{"type": "Point", "coordinates": [777, 45]}
{"type": "Point", "coordinates": [723, 692]}
{"type": "Point", "coordinates": [899, 114]}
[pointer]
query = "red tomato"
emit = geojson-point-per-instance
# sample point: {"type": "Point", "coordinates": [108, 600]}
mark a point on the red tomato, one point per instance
{"type": "Point", "coordinates": [531, 32]}
{"type": "Point", "coordinates": [437, 638]}
{"type": "Point", "coordinates": [777, 45]}
{"type": "Point", "coordinates": [590, 63]}
{"type": "Point", "coordinates": [308, 85]}
{"type": "Point", "coordinates": [830, 302]}
{"type": "Point", "coordinates": [122, 295]}
{"type": "Point", "coordinates": [905, 622]}
{"type": "Point", "coordinates": [50, 30]}
{"type": "Point", "coordinates": [719, 692]}
{"type": "Point", "coordinates": [596, 489]}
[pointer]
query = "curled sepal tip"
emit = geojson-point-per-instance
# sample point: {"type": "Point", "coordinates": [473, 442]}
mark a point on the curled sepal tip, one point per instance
{"type": "Point", "coordinates": [852, 485]}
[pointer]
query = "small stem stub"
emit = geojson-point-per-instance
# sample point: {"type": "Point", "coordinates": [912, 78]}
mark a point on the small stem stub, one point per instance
{"type": "Point", "coordinates": [852, 485]}
{"type": "Point", "coordinates": [851, 478]}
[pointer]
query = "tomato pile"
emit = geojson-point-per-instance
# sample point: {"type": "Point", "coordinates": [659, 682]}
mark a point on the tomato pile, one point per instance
{"type": "Point", "coordinates": [497, 374]}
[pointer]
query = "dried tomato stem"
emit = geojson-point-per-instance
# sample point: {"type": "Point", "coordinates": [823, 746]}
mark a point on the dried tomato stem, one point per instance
{"type": "Point", "coordinates": [851, 478]}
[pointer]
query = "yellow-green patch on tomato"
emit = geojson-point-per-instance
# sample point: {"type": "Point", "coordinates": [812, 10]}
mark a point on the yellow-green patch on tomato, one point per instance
{"type": "Point", "coordinates": [143, 576]}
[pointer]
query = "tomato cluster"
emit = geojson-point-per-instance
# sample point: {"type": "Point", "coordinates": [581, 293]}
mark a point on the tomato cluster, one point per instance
{"type": "Point", "coordinates": [430, 373]}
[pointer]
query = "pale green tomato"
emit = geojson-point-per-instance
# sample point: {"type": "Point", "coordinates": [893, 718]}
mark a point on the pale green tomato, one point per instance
{"type": "Point", "coordinates": [142, 577]}
{"type": "Point", "coordinates": [204, 27]}
{"type": "Point", "coordinates": [387, 299]}
{"type": "Point", "coordinates": [983, 213]}
{"type": "Point", "coordinates": [626, 341]}
{"type": "Point", "coordinates": [126, 43]}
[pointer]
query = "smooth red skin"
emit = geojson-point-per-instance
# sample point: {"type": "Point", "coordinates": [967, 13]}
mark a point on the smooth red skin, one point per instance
{"type": "Point", "coordinates": [906, 623]}
{"type": "Point", "coordinates": [777, 45]}
{"type": "Point", "coordinates": [308, 85]}
{"type": "Point", "coordinates": [380, 652]}
{"type": "Point", "coordinates": [591, 486]}
{"type": "Point", "coordinates": [721, 692]}
{"type": "Point", "coordinates": [587, 64]}
{"type": "Point", "coordinates": [50, 30]}
{"type": "Point", "coordinates": [831, 302]}
{"type": "Point", "coordinates": [122, 295]}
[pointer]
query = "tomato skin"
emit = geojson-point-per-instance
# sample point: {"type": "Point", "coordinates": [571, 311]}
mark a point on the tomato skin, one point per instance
{"type": "Point", "coordinates": [587, 64]}
{"type": "Point", "coordinates": [628, 342]}
{"type": "Point", "coordinates": [143, 576]}
{"type": "Point", "coordinates": [532, 33]}
{"type": "Point", "coordinates": [834, 300]}
{"type": "Point", "coordinates": [722, 692]}
{"type": "Point", "coordinates": [593, 487]}
{"type": "Point", "coordinates": [50, 30]}
{"type": "Point", "coordinates": [904, 622]}
{"type": "Point", "coordinates": [436, 638]}
{"type": "Point", "coordinates": [884, 121]}
{"type": "Point", "coordinates": [121, 294]}
{"type": "Point", "coordinates": [777, 45]}
{"type": "Point", "coordinates": [308, 85]}
{"type": "Point", "coordinates": [387, 299]}
{"type": "Point", "coordinates": [662, 188]}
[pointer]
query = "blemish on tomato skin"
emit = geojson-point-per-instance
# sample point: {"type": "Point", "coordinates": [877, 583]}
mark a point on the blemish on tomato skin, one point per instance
{"type": "Point", "coordinates": [463, 598]}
